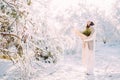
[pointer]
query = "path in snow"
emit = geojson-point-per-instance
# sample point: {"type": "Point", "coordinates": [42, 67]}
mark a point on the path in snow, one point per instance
{"type": "Point", "coordinates": [107, 65]}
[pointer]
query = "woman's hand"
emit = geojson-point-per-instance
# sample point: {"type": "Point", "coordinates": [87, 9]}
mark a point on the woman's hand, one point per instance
{"type": "Point", "coordinates": [75, 31]}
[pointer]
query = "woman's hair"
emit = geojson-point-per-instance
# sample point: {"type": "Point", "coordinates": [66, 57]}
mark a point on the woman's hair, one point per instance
{"type": "Point", "coordinates": [89, 23]}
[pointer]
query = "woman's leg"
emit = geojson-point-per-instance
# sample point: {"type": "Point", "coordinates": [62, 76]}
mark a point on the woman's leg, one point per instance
{"type": "Point", "coordinates": [84, 54]}
{"type": "Point", "coordinates": [90, 64]}
{"type": "Point", "coordinates": [91, 58]}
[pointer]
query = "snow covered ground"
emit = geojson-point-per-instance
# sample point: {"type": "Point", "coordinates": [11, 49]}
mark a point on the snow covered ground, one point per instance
{"type": "Point", "coordinates": [107, 67]}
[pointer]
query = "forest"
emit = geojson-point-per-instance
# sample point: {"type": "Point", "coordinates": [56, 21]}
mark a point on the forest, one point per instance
{"type": "Point", "coordinates": [37, 41]}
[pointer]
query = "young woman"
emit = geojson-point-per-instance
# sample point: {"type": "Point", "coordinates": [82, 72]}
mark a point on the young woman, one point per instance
{"type": "Point", "coordinates": [88, 46]}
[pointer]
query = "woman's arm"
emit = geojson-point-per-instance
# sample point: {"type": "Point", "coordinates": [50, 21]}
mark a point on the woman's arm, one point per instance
{"type": "Point", "coordinates": [81, 35]}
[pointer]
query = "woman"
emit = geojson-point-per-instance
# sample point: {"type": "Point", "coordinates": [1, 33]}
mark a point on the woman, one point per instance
{"type": "Point", "coordinates": [88, 47]}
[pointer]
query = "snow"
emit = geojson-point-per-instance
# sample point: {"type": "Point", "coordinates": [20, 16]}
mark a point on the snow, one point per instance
{"type": "Point", "coordinates": [70, 68]}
